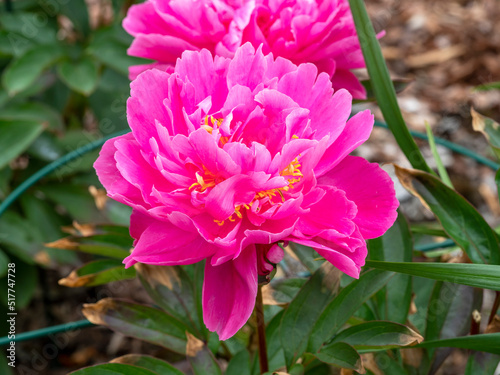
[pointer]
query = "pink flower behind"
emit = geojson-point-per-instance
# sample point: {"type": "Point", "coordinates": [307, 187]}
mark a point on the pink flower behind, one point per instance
{"type": "Point", "coordinates": [320, 32]}
{"type": "Point", "coordinates": [228, 158]}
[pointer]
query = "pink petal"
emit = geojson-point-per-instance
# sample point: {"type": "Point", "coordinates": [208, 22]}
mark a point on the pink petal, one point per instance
{"type": "Point", "coordinates": [333, 211]}
{"type": "Point", "coordinates": [344, 79]}
{"type": "Point", "coordinates": [371, 189]}
{"type": "Point", "coordinates": [229, 293]}
{"type": "Point", "coordinates": [164, 244]}
{"type": "Point", "coordinates": [356, 132]}
{"type": "Point", "coordinates": [163, 48]}
{"type": "Point", "coordinates": [117, 187]}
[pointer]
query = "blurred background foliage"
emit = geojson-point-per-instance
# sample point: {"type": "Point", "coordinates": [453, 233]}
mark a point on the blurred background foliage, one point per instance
{"type": "Point", "coordinates": [64, 83]}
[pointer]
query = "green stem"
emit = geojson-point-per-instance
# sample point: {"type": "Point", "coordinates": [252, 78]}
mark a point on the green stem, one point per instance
{"type": "Point", "coordinates": [261, 330]}
{"type": "Point", "coordinates": [61, 328]}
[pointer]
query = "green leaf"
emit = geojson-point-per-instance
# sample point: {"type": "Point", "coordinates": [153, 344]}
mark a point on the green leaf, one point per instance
{"type": "Point", "coordinates": [382, 85]}
{"type": "Point", "coordinates": [430, 230]}
{"type": "Point", "coordinates": [34, 111]}
{"type": "Point", "coordinates": [156, 365]}
{"type": "Point", "coordinates": [458, 217]}
{"type": "Point", "coordinates": [26, 282]}
{"type": "Point", "coordinates": [110, 51]}
{"type": "Point", "coordinates": [76, 199]}
{"type": "Point", "coordinates": [307, 256]}
{"type": "Point", "coordinates": [113, 369]}
{"type": "Point", "coordinates": [4, 367]}
{"type": "Point", "coordinates": [5, 177]}
{"type": "Point", "coordinates": [282, 291]}
{"type": "Point", "coordinates": [303, 312]}
{"type": "Point", "coordinates": [4, 261]}
{"type": "Point", "coordinates": [450, 310]}
{"type": "Point", "coordinates": [488, 86]}
{"type": "Point", "coordinates": [139, 321]}
{"type": "Point", "coordinates": [25, 26]}
{"type": "Point", "coordinates": [399, 85]}
{"type": "Point", "coordinates": [449, 315]}
{"type": "Point", "coordinates": [81, 76]}
{"type": "Point", "coordinates": [378, 334]}
{"type": "Point", "coordinates": [489, 342]}
{"type": "Point", "coordinates": [103, 245]}
{"type": "Point", "coordinates": [394, 299]}
{"type": "Point", "coordinates": [24, 71]}
{"type": "Point", "coordinates": [275, 353]}
{"type": "Point", "coordinates": [441, 169]}
{"type": "Point", "coordinates": [201, 358]}
{"type": "Point", "coordinates": [98, 272]}
{"type": "Point", "coordinates": [14, 44]}
{"type": "Point", "coordinates": [477, 275]}
{"type": "Point", "coordinates": [384, 363]}
{"type": "Point", "coordinates": [341, 355]}
{"type": "Point", "coordinates": [350, 299]}
{"type": "Point", "coordinates": [489, 128]}
{"type": "Point", "coordinates": [16, 138]}
{"type": "Point", "coordinates": [172, 289]}
{"type": "Point", "coordinates": [240, 364]}
{"type": "Point", "coordinates": [77, 12]}
{"type": "Point", "coordinates": [482, 363]}
{"type": "Point", "coordinates": [19, 237]}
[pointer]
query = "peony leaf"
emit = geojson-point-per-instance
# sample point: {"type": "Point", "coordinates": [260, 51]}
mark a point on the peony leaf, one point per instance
{"type": "Point", "coordinates": [23, 71]}
{"type": "Point", "coordinates": [449, 315]}
{"type": "Point", "coordinates": [240, 364]}
{"type": "Point", "coordinates": [81, 76]}
{"type": "Point", "coordinates": [200, 357]}
{"type": "Point", "coordinates": [303, 312]}
{"type": "Point", "coordinates": [16, 137]}
{"type": "Point", "coordinates": [98, 272]}
{"type": "Point", "coordinates": [350, 299]}
{"type": "Point", "coordinates": [459, 218]}
{"type": "Point", "coordinates": [139, 321]}
{"type": "Point", "coordinates": [146, 362]}
{"type": "Point", "coordinates": [171, 288]}
{"type": "Point", "coordinates": [476, 275]}
{"type": "Point", "coordinates": [281, 292]}
{"type": "Point", "coordinates": [306, 255]}
{"type": "Point", "coordinates": [341, 354]}
{"type": "Point", "coordinates": [489, 342]}
{"type": "Point", "coordinates": [394, 299]}
{"type": "Point", "coordinates": [275, 352]}
{"type": "Point", "coordinates": [378, 334]}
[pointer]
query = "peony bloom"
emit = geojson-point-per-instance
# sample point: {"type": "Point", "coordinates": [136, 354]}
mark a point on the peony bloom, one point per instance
{"type": "Point", "coordinates": [228, 158]}
{"type": "Point", "coordinates": [320, 32]}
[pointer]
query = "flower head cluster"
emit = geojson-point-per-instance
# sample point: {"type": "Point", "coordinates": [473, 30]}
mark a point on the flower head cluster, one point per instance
{"type": "Point", "coordinates": [229, 157]}
{"type": "Point", "coordinates": [317, 31]}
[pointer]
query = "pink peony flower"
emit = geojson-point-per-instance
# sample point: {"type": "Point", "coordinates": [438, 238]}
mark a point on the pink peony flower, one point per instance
{"type": "Point", "coordinates": [321, 32]}
{"type": "Point", "coordinates": [228, 158]}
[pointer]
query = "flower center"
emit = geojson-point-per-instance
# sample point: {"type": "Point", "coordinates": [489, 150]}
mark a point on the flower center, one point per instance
{"type": "Point", "coordinates": [292, 171]}
{"type": "Point", "coordinates": [210, 123]}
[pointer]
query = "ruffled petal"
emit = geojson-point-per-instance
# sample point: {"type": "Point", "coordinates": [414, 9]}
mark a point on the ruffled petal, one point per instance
{"type": "Point", "coordinates": [371, 189]}
{"type": "Point", "coordinates": [356, 132]}
{"type": "Point", "coordinates": [162, 243]}
{"type": "Point", "coordinates": [229, 293]}
{"type": "Point", "coordinates": [117, 187]}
